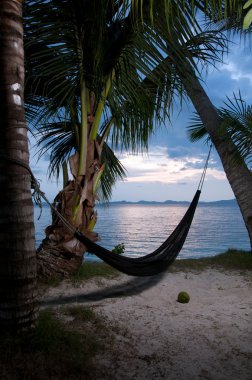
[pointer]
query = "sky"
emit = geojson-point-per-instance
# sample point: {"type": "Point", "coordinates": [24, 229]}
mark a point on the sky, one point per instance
{"type": "Point", "coordinates": [173, 166]}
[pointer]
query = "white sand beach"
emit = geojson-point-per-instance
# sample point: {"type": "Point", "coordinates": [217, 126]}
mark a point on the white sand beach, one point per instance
{"type": "Point", "coordinates": [157, 337]}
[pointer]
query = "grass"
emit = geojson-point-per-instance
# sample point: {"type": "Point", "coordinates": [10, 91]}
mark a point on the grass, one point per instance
{"type": "Point", "coordinates": [53, 350]}
{"type": "Point", "coordinates": [85, 314]}
{"type": "Point", "coordinates": [232, 259]}
{"type": "Point", "coordinates": [93, 270]}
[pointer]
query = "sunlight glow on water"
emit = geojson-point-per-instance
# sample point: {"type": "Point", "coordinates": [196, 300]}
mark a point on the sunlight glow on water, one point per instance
{"type": "Point", "coordinates": [143, 228]}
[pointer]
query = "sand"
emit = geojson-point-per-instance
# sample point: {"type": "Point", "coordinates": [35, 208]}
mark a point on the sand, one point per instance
{"type": "Point", "coordinates": [155, 337]}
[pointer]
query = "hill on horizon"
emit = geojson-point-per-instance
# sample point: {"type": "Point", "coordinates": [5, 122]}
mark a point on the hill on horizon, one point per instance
{"type": "Point", "coordinates": [227, 202]}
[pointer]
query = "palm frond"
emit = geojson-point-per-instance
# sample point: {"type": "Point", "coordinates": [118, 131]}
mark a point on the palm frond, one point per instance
{"type": "Point", "coordinates": [196, 130]}
{"type": "Point", "coordinates": [236, 125]}
{"type": "Point", "coordinates": [58, 139]}
{"type": "Point", "coordinates": [113, 172]}
{"type": "Point", "coordinates": [237, 121]}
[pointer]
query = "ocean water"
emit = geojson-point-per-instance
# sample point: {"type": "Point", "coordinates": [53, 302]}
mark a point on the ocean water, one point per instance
{"type": "Point", "coordinates": [143, 228]}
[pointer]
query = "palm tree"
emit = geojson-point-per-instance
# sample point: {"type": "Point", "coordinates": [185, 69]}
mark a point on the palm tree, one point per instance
{"type": "Point", "coordinates": [82, 69]}
{"type": "Point", "coordinates": [17, 257]}
{"type": "Point", "coordinates": [79, 73]}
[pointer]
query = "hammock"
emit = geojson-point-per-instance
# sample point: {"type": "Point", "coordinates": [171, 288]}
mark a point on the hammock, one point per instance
{"type": "Point", "coordinates": [160, 259]}
{"type": "Point", "coordinates": [153, 263]}
{"type": "Point", "coordinates": [148, 265]}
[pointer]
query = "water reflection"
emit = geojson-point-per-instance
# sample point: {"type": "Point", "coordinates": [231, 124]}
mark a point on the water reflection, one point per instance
{"type": "Point", "coordinates": [142, 228]}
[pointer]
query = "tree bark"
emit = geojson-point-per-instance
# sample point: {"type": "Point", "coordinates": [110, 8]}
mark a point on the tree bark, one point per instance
{"type": "Point", "coordinates": [60, 254]}
{"type": "Point", "coordinates": [18, 306]}
{"type": "Point", "coordinates": [238, 175]}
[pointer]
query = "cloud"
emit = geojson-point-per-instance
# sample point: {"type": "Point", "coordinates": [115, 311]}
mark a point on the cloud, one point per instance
{"type": "Point", "coordinates": [159, 167]}
{"type": "Point", "coordinates": [46, 157]}
{"type": "Point", "coordinates": [231, 76]}
{"type": "Point", "coordinates": [37, 171]}
{"type": "Point", "coordinates": [182, 150]}
{"type": "Point", "coordinates": [239, 68]}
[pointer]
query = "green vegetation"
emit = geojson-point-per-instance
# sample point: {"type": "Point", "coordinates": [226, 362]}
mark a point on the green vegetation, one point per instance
{"type": "Point", "coordinates": [231, 259]}
{"type": "Point", "coordinates": [95, 269]}
{"type": "Point", "coordinates": [53, 349]}
{"type": "Point", "coordinates": [248, 17]}
{"type": "Point", "coordinates": [119, 249]}
{"type": "Point", "coordinates": [84, 314]}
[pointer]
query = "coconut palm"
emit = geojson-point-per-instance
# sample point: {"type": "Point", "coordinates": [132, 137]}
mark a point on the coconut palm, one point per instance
{"type": "Point", "coordinates": [17, 257]}
{"type": "Point", "coordinates": [82, 69]}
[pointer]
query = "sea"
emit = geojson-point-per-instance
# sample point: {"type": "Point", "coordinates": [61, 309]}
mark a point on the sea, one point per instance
{"type": "Point", "coordinates": [144, 227]}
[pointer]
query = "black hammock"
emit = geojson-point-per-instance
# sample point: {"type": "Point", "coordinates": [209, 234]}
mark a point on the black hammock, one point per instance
{"type": "Point", "coordinates": [153, 263]}
{"type": "Point", "coordinates": [160, 259]}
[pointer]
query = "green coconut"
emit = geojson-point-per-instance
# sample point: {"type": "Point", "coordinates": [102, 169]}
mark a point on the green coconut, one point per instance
{"type": "Point", "coordinates": [183, 297]}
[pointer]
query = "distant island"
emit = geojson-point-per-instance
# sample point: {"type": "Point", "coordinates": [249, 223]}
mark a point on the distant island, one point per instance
{"type": "Point", "coordinates": [228, 202]}
{"type": "Point", "coordinates": [221, 203]}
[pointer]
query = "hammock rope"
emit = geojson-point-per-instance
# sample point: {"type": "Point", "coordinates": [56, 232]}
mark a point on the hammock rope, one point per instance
{"type": "Point", "coordinates": [148, 265]}
{"type": "Point", "coordinates": [202, 179]}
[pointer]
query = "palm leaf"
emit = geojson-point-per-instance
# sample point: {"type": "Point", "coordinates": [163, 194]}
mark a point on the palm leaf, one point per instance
{"type": "Point", "coordinates": [113, 172]}
{"type": "Point", "coordinates": [236, 125]}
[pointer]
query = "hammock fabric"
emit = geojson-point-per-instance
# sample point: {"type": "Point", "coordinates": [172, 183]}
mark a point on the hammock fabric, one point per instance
{"type": "Point", "coordinates": [153, 263]}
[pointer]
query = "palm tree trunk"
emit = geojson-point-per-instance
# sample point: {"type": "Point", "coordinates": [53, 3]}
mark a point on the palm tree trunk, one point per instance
{"type": "Point", "coordinates": [239, 177]}
{"type": "Point", "coordinates": [60, 253]}
{"type": "Point", "coordinates": [18, 306]}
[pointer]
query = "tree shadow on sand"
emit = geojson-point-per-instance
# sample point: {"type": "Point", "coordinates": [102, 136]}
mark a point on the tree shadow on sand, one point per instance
{"type": "Point", "coordinates": [131, 287]}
